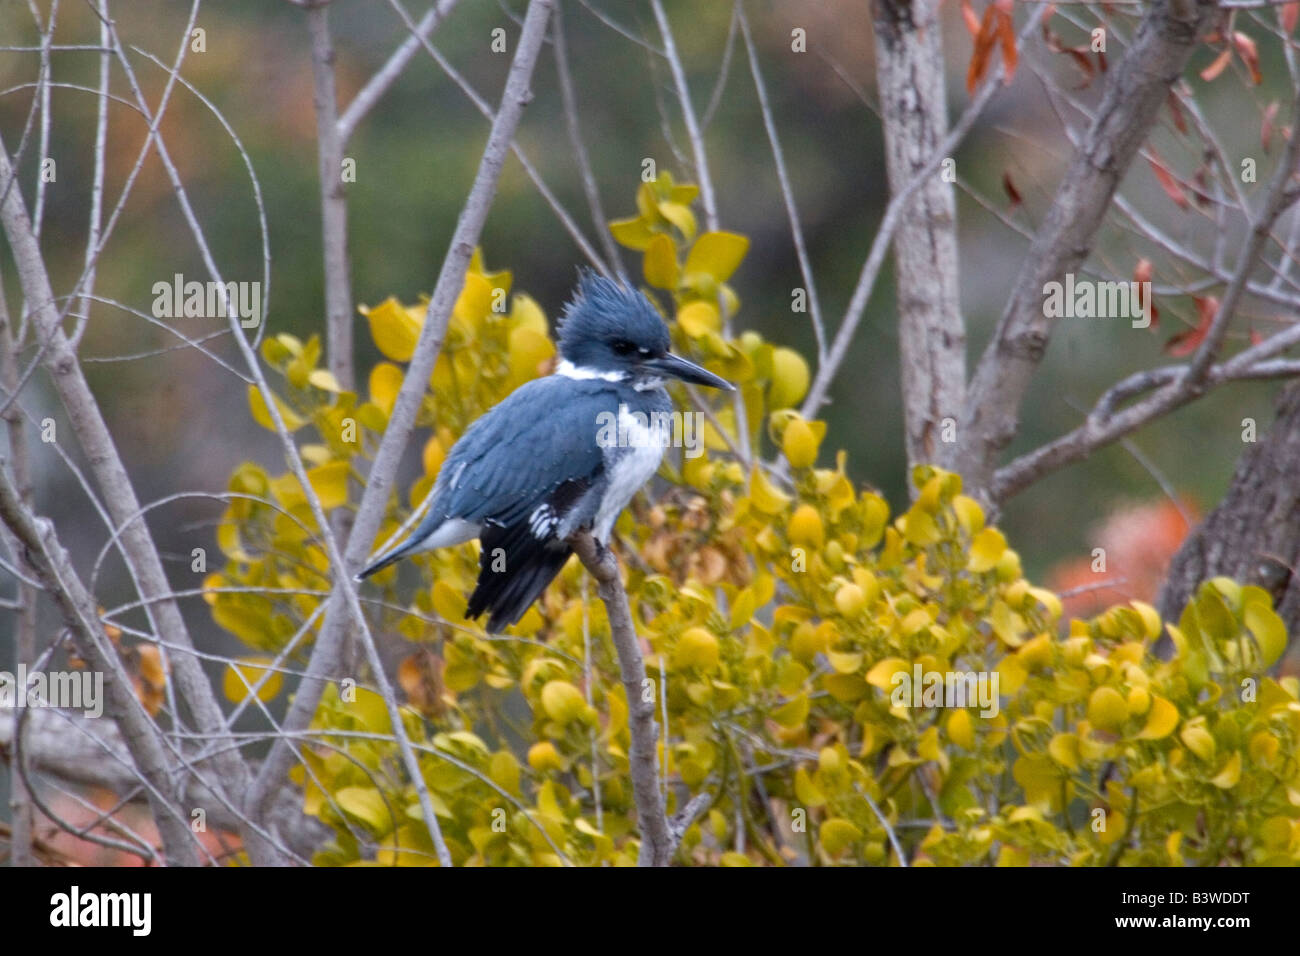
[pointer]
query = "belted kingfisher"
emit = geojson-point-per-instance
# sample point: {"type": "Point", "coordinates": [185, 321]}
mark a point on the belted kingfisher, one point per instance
{"type": "Point", "coordinates": [541, 465]}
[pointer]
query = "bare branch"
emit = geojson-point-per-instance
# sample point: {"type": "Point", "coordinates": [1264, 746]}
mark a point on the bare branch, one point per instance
{"type": "Point", "coordinates": [141, 736]}
{"type": "Point", "coordinates": [1135, 92]}
{"type": "Point", "coordinates": [657, 842]}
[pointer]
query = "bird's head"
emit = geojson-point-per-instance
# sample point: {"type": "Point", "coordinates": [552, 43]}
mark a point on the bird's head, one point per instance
{"type": "Point", "coordinates": [612, 332]}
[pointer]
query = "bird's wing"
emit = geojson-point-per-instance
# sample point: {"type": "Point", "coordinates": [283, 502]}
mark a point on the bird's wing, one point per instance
{"type": "Point", "coordinates": [544, 434]}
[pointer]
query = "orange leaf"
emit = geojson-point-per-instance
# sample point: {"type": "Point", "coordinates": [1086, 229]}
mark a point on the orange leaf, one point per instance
{"type": "Point", "coordinates": [985, 40]}
{"type": "Point", "coordinates": [1168, 183]}
{"type": "Point", "coordinates": [1007, 37]}
{"type": "Point", "coordinates": [1220, 64]}
{"type": "Point", "coordinates": [1186, 342]}
{"type": "Point", "coordinates": [972, 19]}
{"type": "Point", "coordinates": [1249, 53]}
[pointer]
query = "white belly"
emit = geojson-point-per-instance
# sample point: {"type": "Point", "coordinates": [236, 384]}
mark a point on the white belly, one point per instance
{"type": "Point", "coordinates": [629, 467]}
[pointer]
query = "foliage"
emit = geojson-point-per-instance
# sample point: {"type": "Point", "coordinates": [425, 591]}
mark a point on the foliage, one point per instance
{"type": "Point", "coordinates": [782, 608]}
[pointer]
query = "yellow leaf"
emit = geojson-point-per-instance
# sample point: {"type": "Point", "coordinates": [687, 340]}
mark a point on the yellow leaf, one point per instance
{"type": "Point", "coordinates": [1198, 739]}
{"type": "Point", "coordinates": [367, 805]}
{"type": "Point", "coordinates": [529, 350]}
{"type": "Point", "coordinates": [1064, 749]}
{"type": "Point", "coordinates": [699, 318]}
{"type": "Point", "coordinates": [385, 383]}
{"type": "Point", "coordinates": [799, 443]}
{"type": "Point", "coordinates": [793, 713]}
{"type": "Point", "coordinates": [696, 648]}
{"type": "Point", "coordinates": [882, 674]}
{"type": "Point", "coordinates": [985, 549]}
{"type": "Point", "coordinates": [790, 378]}
{"type": "Point", "coordinates": [330, 482]}
{"type": "Point", "coordinates": [1227, 778]}
{"type": "Point", "coordinates": [262, 415]}
{"type": "Point", "coordinates": [837, 835]}
{"type": "Point", "coordinates": [1161, 720]}
{"type": "Point", "coordinates": [394, 330]}
{"type": "Point", "coordinates": [634, 233]}
{"type": "Point", "coordinates": [543, 756]}
{"type": "Point", "coordinates": [562, 701]}
{"type": "Point", "coordinates": [717, 253]}
{"type": "Point", "coordinates": [844, 663]}
{"type": "Point", "coordinates": [433, 456]}
{"type": "Point", "coordinates": [1268, 630]}
{"type": "Point", "coordinates": [805, 527]}
{"type": "Point", "coordinates": [324, 379]}
{"type": "Point", "coordinates": [766, 497]}
{"type": "Point", "coordinates": [661, 270]}
{"type": "Point", "coordinates": [806, 791]}
{"type": "Point", "coordinates": [961, 730]}
{"type": "Point", "coordinates": [1107, 709]}
{"type": "Point", "coordinates": [969, 513]}
{"type": "Point", "coordinates": [681, 217]}
{"type": "Point", "coordinates": [250, 669]}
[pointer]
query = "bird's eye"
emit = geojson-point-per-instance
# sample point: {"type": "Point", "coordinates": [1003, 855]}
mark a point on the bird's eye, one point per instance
{"type": "Point", "coordinates": [623, 347]}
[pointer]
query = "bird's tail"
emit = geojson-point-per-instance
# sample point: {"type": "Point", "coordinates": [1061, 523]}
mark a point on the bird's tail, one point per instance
{"type": "Point", "coordinates": [380, 563]}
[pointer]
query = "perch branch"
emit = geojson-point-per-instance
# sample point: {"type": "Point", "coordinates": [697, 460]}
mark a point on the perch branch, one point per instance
{"type": "Point", "coordinates": [658, 842]}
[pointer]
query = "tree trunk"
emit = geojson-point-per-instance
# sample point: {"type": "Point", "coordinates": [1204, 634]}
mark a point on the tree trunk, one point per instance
{"type": "Point", "coordinates": [913, 109]}
{"type": "Point", "coordinates": [1253, 535]}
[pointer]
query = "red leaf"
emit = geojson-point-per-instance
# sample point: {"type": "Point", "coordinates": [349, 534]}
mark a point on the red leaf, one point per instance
{"type": "Point", "coordinates": [1186, 342]}
{"type": "Point", "coordinates": [1290, 14]}
{"type": "Point", "coordinates": [1255, 337]}
{"type": "Point", "coordinates": [1168, 183]}
{"type": "Point", "coordinates": [1078, 54]}
{"type": "Point", "coordinates": [1012, 193]}
{"type": "Point", "coordinates": [1266, 127]}
{"type": "Point", "coordinates": [1249, 53]}
{"type": "Point", "coordinates": [1220, 64]}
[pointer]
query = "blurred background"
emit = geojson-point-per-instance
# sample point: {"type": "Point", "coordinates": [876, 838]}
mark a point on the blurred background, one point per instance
{"type": "Point", "coordinates": [182, 422]}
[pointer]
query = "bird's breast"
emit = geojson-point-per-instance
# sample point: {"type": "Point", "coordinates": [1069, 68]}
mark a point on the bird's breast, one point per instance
{"type": "Point", "coordinates": [630, 461]}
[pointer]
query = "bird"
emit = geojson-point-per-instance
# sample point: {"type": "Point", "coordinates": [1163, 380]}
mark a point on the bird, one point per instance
{"type": "Point", "coordinates": [562, 453]}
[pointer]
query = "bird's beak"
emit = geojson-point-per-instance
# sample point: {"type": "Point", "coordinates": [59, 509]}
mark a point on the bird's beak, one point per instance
{"type": "Point", "coordinates": [677, 367]}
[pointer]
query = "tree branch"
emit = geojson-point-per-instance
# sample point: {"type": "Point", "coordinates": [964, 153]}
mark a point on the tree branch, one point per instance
{"type": "Point", "coordinates": [141, 736]}
{"type": "Point", "coordinates": [1135, 92]}
{"type": "Point", "coordinates": [657, 835]}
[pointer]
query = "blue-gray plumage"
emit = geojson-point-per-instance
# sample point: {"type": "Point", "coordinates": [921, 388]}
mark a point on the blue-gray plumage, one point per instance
{"type": "Point", "coordinates": [561, 454]}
